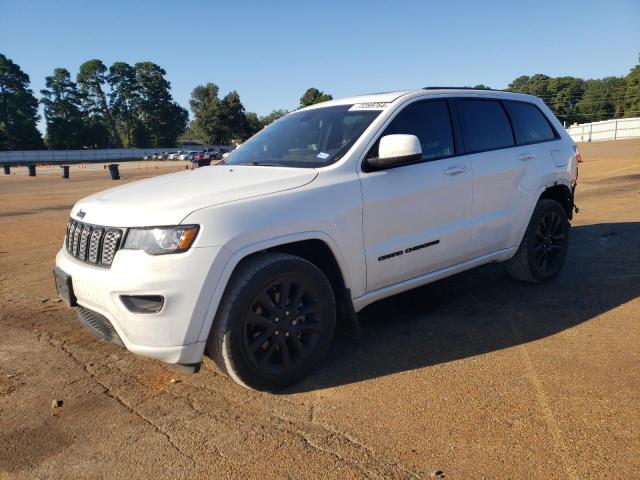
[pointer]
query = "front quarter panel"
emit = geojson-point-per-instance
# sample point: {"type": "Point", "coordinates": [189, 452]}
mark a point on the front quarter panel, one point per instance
{"type": "Point", "coordinates": [328, 209]}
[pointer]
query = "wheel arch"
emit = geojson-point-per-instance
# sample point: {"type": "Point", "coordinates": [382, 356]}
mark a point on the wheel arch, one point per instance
{"type": "Point", "coordinates": [320, 254]}
{"type": "Point", "coordinates": [562, 194]}
{"type": "Point", "coordinates": [315, 247]}
{"type": "Point", "coordinates": [558, 190]}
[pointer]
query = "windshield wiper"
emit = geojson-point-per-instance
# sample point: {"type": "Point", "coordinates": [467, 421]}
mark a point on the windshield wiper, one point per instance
{"type": "Point", "coordinates": [265, 164]}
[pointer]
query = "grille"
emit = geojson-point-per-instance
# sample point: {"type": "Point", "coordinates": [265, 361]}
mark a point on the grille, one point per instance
{"type": "Point", "coordinates": [92, 243]}
{"type": "Point", "coordinates": [110, 245]}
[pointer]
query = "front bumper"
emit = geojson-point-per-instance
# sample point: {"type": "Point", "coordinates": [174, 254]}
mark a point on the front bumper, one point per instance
{"type": "Point", "coordinates": [186, 281]}
{"type": "Point", "coordinates": [99, 325]}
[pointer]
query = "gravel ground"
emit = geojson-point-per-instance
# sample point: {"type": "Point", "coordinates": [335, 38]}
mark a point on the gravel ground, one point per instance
{"type": "Point", "coordinates": [476, 376]}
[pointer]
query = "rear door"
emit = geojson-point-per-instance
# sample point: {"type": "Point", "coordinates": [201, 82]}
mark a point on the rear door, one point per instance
{"type": "Point", "coordinates": [417, 218]}
{"type": "Point", "coordinates": [507, 159]}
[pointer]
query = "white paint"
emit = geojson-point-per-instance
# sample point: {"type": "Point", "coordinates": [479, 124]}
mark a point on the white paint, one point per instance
{"type": "Point", "coordinates": [477, 206]}
{"type": "Point", "coordinates": [399, 145]}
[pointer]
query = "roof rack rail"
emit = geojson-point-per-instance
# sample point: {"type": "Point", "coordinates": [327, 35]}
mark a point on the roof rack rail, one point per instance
{"type": "Point", "coordinates": [464, 88]}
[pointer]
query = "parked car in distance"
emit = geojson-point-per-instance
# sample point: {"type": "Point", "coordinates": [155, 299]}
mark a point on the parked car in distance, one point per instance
{"type": "Point", "coordinates": [207, 154]}
{"type": "Point", "coordinates": [330, 209]}
{"type": "Point", "coordinates": [199, 155]}
{"type": "Point", "coordinates": [210, 154]}
{"type": "Point", "coordinates": [191, 155]}
{"type": "Point", "coordinates": [226, 151]}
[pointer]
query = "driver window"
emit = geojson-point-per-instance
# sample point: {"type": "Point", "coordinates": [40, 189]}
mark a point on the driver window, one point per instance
{"type": "Point", "coordinates": [430, 122]}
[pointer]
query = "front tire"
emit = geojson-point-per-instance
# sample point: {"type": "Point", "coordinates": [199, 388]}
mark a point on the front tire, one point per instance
{"type": "Point", "coordinates": [544, 247]}
{"type": "Point", "coordinates": [275, 321]}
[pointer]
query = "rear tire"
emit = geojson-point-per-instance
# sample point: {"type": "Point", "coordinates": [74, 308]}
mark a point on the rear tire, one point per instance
{"type": "Point", "coordinates": [275, 321]}
{"type": "Point", "coordinates": [544, 247]}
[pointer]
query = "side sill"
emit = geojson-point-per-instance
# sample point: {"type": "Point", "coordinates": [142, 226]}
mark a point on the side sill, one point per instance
{"type": "Point", "coordinates": [375, 295]}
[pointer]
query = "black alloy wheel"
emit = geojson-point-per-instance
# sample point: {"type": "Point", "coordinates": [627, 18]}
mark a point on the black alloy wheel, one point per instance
{"type": "Point", "coordinates": [274, 322]}
{"type": "Point", "coordinates": [283, 325]}
{"type": "Point", "coordinates": [545, 244]}
{"type": "Point", "coordinates": [549, 244]}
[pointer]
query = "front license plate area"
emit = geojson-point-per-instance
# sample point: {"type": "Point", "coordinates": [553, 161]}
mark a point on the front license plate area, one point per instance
{"type": "Point", "coordinates": [64, 287]}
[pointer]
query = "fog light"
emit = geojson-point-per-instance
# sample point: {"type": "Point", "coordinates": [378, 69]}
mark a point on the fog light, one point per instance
{"type": "Point", "coordinates": [143, 303]}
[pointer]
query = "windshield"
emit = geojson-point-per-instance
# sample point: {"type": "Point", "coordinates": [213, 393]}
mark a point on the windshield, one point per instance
{"type": "Point", "coordinates": [308, 139]}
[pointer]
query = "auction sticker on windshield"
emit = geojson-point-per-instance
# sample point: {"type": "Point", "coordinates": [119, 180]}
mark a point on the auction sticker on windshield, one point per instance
{"type": "Point", "coordinates": [369, 106]}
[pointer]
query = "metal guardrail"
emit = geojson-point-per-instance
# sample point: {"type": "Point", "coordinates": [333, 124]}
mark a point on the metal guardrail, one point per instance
{"type": "Point", "coordinates": [24, 157]}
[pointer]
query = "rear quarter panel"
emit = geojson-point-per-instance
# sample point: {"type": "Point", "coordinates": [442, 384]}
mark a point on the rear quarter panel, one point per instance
{"type": "Point", "coordinates": [559, 167]}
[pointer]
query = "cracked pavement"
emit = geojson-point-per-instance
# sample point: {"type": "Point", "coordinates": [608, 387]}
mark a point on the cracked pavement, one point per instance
{"type": "Point", "coordinates": [475, 376]}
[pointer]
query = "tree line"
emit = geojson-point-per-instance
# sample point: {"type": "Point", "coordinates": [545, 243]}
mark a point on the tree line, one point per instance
{"type": "Point", "coordinates": [220, 121]}
{"type": "Point", "coordinates": [574, 100]}
{"type": "Point", "coordinates": [131, 106]}
{"type": "Point", "coordinates": [120, 106]}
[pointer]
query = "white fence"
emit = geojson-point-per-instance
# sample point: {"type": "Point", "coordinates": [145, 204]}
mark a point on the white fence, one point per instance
{"type": "Point", "coordinates": [97, 155]}
{"type": "Point", "coordinates": [605, 130]}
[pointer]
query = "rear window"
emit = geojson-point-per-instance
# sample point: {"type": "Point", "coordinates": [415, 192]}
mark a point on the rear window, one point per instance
{"type": "Point", "coordinates": [485, 125]}
{"type": "Point", "coordinates": [529, 124]}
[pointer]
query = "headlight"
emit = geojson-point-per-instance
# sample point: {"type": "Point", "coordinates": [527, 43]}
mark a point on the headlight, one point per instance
{"type": "Point", "coordinates": [161, 240]}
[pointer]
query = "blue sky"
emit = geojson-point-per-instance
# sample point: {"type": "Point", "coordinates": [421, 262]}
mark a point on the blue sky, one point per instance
{"type": "Point", "coordinates": [271, 51]}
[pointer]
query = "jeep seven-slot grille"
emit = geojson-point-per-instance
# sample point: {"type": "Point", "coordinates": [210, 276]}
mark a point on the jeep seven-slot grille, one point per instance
{"type": "Point", "coordinates": [92, 243]}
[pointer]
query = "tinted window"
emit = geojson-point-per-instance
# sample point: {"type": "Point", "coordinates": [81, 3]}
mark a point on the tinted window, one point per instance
{"type": "Point", "coordinates": [429, 121]}
{"type": "Point", "coordinates": [485, 125]}
{"type": "Point", "coordinates": [529, 124]}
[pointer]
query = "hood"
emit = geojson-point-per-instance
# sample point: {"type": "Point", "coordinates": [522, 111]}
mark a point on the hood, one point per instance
{"type": "Point", "coordinates": [167, 199]}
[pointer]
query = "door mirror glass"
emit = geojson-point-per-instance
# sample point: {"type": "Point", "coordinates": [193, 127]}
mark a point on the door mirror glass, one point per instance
{"type": "Point", "coordinates": [395, 150]}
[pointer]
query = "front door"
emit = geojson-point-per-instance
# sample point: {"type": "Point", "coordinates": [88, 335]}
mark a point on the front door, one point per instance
{"type": "Point", "coordinates": [417, 218]}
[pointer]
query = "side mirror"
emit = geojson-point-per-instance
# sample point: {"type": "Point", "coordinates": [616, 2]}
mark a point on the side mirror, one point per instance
{"type": "Point", "coordinates": [395, 150]}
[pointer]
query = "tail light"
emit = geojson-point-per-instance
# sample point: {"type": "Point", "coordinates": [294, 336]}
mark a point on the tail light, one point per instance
{"type": "Point", "coordinates": [578, 156]}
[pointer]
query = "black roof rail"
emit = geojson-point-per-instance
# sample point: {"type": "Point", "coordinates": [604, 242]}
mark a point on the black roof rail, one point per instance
{"type": "Point", "coordinates": [464, 88]}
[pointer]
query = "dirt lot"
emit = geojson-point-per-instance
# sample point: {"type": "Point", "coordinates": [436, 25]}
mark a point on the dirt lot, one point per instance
{"type": "Point", "coordinates": [476, 376]}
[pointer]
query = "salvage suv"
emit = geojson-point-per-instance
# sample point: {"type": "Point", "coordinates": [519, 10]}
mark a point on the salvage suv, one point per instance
{"type": "Point", "coordinates": [259, 259]}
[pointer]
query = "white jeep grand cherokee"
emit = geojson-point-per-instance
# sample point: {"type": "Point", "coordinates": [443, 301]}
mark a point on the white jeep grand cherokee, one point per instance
{"type": "Point", "coordinates": [333, 207]}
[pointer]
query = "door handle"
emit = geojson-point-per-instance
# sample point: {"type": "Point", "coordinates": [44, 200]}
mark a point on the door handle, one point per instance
{"type": "Point", "coordinates": [455, 170]}
{"type": "Point", "coordinates": [526, 156]}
